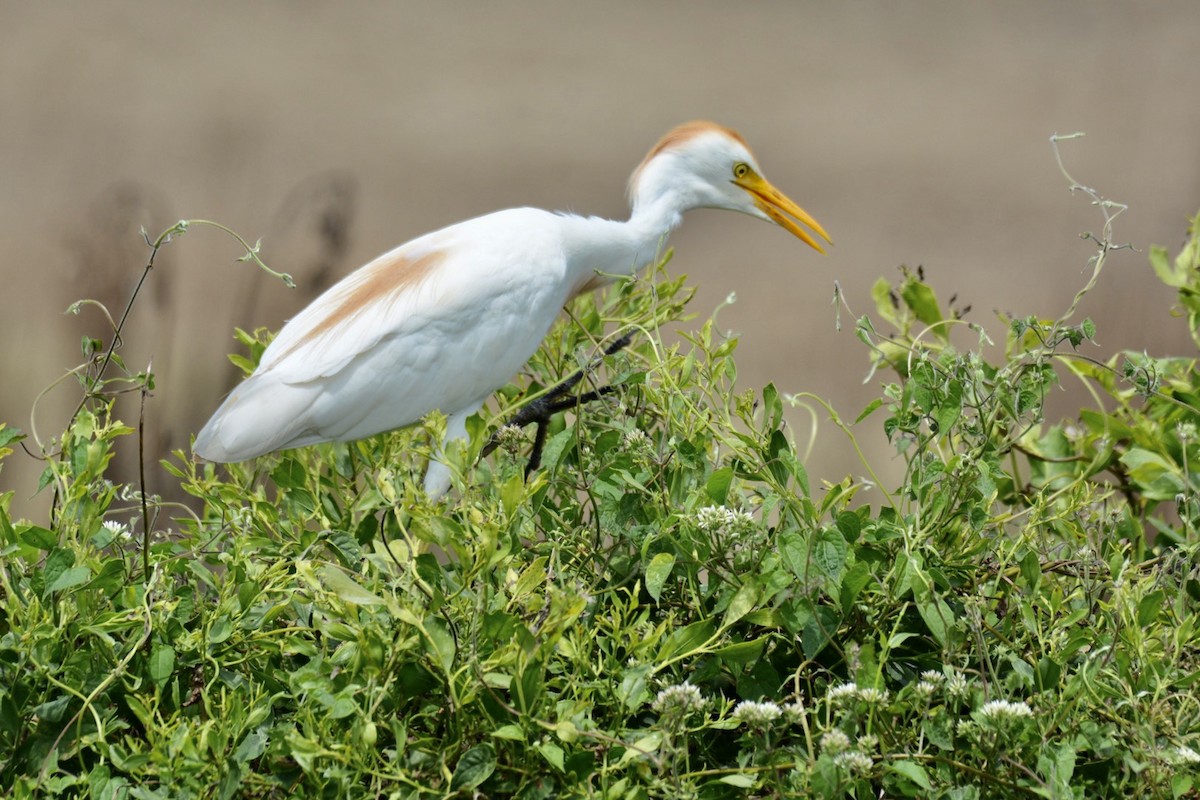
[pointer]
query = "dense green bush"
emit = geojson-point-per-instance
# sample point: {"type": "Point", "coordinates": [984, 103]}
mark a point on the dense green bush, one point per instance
{"type": "Point", "coordinates": [668, 608]}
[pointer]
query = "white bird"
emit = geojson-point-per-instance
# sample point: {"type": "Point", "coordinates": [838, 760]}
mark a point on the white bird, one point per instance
{"type": "Point", "coordinates": [443, 321]}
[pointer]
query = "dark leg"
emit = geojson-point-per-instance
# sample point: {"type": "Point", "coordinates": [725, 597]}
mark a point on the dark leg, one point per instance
{"type": "Point", "coordinates": [554, 401]}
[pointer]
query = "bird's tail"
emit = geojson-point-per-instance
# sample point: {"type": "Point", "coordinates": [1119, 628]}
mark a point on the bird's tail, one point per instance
{"type": "Point", "coordinates": [259, 416]}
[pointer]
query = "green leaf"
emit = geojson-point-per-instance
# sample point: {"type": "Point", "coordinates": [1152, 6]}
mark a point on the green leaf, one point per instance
{"type": "Point", "coordinates": [8, 436]}
{"type": "Point", "coordinates": [221, 630]}
{"type": "Point", "coordinates": [1163, 268]}
{"type": "Point", "coordinates": [686, 639]}
{"type": "Point", "coordinates": [871, 408]}
{"type": "Point", "coordinates": [740, 780]}
{"type": "Point", "coordinates": [70, 578]}
{"type": "Point", "coordinates": [511, 732]}
{"type": "Point", "coordinates": [794, 554]}
{"type": "Point", "coordinates": [939, 618]}
{"type": "Point", "coordinates": [657, 573]}
{"type": "Point", "coordinates": [718, 483]}
{"type": "Point", "coordinates": [553, 754]}
{"type": "Point", "coordinates": [819, 630]}
{"type": "Point", "coordinates": [924, 304]}
{"type": "Point", "coordinates": [253, 745]}
{"type": "Point", "coordinates": [779, 457]}
{"type": "Point", "coordinates": [742, 603]}
{"type": "Point", "coordinates": [645, 746]}
{"type": "Point", "coordinates": [772, 407]}
{"type": "Point", "coordinates": [1156, 477]}
{"type": "Point", "coordinates": [829, 554]}
{"type": "Point", "coordinates": [1149, 606]}
{"type": "Point", "coordinates": [440, 644]}
{"type": "Point", "coordinates": [342, 585]}
{"type": "Point", "coordinates": [36, 536]}
{"type": "Point", "coordinates": [475, 767]}
{"type": "Point", "coordinates": [913, 772]}
{"type": "Point", "coordinates": [162, 663]}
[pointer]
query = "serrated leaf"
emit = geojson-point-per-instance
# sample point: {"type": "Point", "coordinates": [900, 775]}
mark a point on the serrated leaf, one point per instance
{"type": "Point", "coordinates": [829, 553]}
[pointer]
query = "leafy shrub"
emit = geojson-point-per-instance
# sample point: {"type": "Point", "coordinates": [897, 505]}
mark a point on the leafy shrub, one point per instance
{"type": "Point", "coordinates": [666, 608]}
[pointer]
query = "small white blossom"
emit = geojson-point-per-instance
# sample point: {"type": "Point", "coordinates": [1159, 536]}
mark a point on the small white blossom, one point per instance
{"type": "Point", "coordinates": [869, 694]}
{"type": "Point", "coordinates": [1002, 709]}
{"type": "Point", "coordinates": [867, 742]}
{"type": "Point", "coordinates": [925, 688]}
{"type": "Point", "coordinates": [510, 438]}
{"type": "Point", "coordinates": [932, 676]}
{"type": "Point", "coordinates": [118, 529]}
{"type": "Point", "coordinates": [842, 691]}
{"type": "Point", "coordinates": [636, 441]}
{"type": "Point", "coordinates": [956, 685]}
{"type": "Point", "coordinates": [835, 741]}
{"type": "Point", "coordinates": [757, 714]}
{"type": "Point", "coordinates": [681, 699]}
{"type": "Point", "coordinates": [853, 761]}
{"type": "Point", "coordinates": [794, 711]}
{"type": "Point", "coordinates": [719, 519]}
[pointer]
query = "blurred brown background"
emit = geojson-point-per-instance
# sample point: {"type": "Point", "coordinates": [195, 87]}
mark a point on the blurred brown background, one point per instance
{"type": "Point", "coordinates": [916, 133]}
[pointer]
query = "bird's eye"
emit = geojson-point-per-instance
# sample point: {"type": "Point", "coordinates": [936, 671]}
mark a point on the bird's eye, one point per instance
{"type": "Point", "coordinates": [741, 170]}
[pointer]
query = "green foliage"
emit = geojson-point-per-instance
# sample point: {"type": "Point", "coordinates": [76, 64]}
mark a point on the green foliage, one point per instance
{"type": "Point", "coordinates": [669, 607]}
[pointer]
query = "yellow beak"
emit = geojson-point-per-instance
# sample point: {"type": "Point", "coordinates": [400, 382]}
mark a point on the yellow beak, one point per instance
{"type": "Point", "coordinates": [776, 205]}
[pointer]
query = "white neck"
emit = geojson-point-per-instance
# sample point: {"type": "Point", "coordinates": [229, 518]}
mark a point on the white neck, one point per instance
{"type": "Point", "coordinates": [605, 249]}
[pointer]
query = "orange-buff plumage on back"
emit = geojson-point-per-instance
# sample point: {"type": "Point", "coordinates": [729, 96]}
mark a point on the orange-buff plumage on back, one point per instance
{"type": "Point", "coordinates": [443, 321]}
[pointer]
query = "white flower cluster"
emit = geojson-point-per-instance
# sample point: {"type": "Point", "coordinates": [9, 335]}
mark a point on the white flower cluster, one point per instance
{"type": "Point", "coordinates": [956, 685]}
{"type": "Point", "coordinates": [852, 691]}
{"type": "Point", "coordinates": [1004, 709]}
{"type": "Point", "coordinates": [756, 714]}
{"type": "Point", "coordinates": [835, 741]}
{"type": "Point", "coordinates": [793, 712]}
{"type": "Point", "coordinates": [853, 761]}
{"type": "Point", "coordinates": [681, 699]}
{"type": "Point", "coordinates": [843, 691]}
{"type": "Point", "coordinates": [719, 519]}
{"type": "Point", "coordinates": [117, 529]}
{"type": "Point", "coordinates": [510, 438]}
{"type": "Point", "coordinates": [637, 442]}
{"type": "Point", "coordinates": [929, 683]}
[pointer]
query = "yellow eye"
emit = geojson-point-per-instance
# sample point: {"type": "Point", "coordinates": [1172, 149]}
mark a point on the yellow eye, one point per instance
{"type": "Point", "coordinates": [741, 170]}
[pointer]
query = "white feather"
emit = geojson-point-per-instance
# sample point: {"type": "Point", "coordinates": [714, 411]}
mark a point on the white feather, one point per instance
{"type": "Point", "coordinates": [443, 321]}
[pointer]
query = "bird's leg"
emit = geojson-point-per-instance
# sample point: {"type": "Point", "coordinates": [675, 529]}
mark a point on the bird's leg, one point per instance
{"type": "Point", "coordinates": [554, 401]}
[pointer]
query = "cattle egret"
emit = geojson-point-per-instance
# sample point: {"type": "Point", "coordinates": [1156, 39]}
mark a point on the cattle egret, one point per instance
{"type": "Point", "coordinates": [443, 321]}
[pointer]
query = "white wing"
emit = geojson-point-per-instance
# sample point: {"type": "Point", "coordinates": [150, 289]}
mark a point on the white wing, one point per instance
{"type": "Point", "coordinates": [440, 322]}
